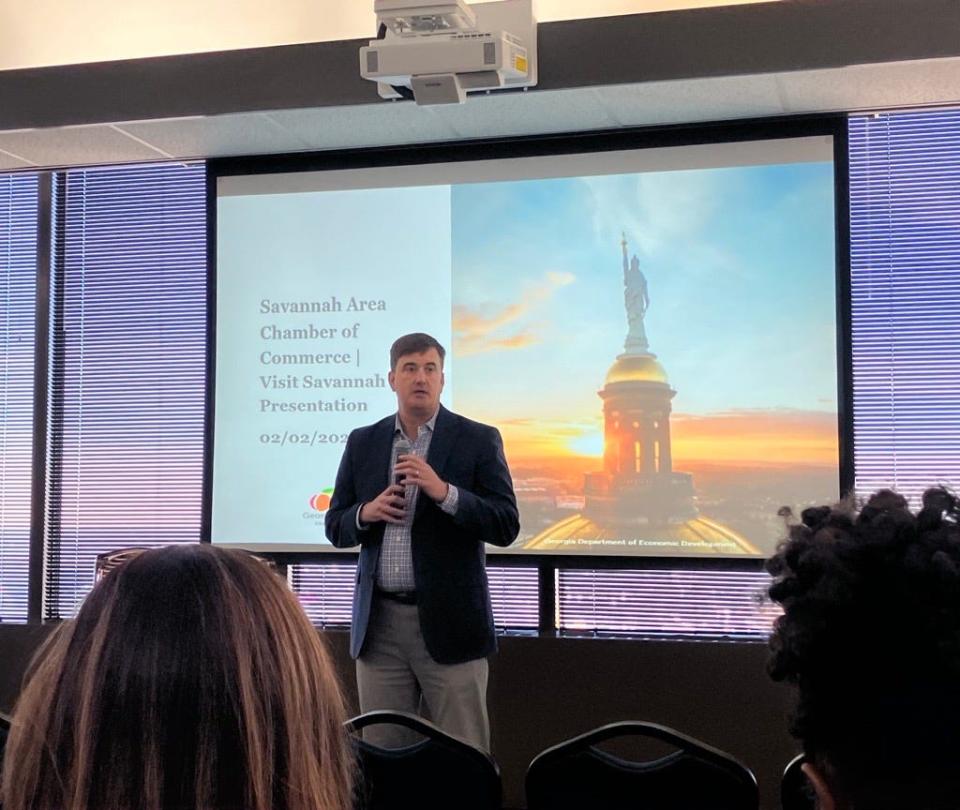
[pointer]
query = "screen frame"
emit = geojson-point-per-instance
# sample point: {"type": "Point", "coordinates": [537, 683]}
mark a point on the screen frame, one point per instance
{"type": "Point", "coordinates": [594, 141]}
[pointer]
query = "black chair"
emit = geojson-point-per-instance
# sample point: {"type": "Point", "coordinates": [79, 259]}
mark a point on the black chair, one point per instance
{"type": "Point", "coordinates": [575, 775]}
{"type": "Point", "coordinates": [796, 793]}
{"type": "Point", "coordinates": [437, 772]}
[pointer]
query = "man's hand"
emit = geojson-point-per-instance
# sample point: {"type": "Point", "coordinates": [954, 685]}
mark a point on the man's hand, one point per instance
{"type": "Point", "coordinates": [387, 506]}
{"type": "Point", "coordinates": [414, 470]}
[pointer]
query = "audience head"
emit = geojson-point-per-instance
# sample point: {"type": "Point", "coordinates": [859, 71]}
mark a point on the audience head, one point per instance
{"type": "Point", "coordinates": [870, 636]}
{"type": "Point", "coordinates": [190, 678]}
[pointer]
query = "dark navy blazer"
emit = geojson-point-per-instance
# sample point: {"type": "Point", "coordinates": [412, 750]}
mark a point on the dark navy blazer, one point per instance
{"type": "Point", "coordinates": [453, 599]}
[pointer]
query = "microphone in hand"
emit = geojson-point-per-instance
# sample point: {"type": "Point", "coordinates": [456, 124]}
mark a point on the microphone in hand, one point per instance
{"type": "Point", "coordinates": [401, 448]}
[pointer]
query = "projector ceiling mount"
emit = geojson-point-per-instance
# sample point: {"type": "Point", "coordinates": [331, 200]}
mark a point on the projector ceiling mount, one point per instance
{"type": "Point", "coordinates": [436, 53]}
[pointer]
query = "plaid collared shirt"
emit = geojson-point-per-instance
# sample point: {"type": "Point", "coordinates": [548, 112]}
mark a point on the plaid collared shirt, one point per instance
{"type": "Point", "coordinates": [395, 567]}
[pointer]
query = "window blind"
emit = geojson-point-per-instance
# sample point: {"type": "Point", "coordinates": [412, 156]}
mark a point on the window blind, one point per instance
{"type": "Point", "coordinates": [905, 289]}
{"type": "Point", "coordinates": [515, 596]}
{"type": "Point", "coordinates": [326, 593]}
{"type": "Point", "coordinates": [680, 603]}
{"type": "Point", "coordinates": [325, 590]}
{"type": "Point", "coordinates": [125, 455]}
{"type": "Point", "coordinates": [18, 270]}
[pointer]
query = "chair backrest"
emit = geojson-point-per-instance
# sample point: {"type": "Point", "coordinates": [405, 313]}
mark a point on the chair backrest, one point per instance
{"type": "Point", "coordinates": [576, 774]}
{"type": "Point", "coordinates": [440, 771]}
{"type": "Point", "coordinates": [796, 792]}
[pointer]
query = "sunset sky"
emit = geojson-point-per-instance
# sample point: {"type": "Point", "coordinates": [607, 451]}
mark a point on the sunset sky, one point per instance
{"type": "Point", "coordinates": [740, 268]}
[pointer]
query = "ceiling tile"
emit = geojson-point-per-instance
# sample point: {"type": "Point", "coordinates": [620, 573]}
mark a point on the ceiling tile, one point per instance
{"type": "Point", "coordinates": [8, 162]}
{"type": "Point", "coordinates": [382, 124]}
{"type": "Point", "coordinates": [504, 114]}
{"type": "Point", "coordinates": [867, 87]}
{"type": "Point", "coordinates": [216, 136]}
{"type": "Point", "coordinates": [716, 99]}
{"type": "Point", "coordinates": [76, 146]}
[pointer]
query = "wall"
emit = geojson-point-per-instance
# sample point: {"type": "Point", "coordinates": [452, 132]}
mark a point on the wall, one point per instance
{"type": "Point", "coordinates": [801, 37]}
{"type": "Point", "coordinates": [545, 690]}
{"type": "Point", "coordinates": [63, 32]}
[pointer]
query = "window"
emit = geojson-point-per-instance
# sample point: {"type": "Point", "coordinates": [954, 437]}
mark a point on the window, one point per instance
{"type": "Point", "coordinates": [677, 602]}
{"type": "Point", "coordinates": [326, 593]}
{"type": "Point", "coordinates": [18, 271]}
{"type": "Point", "coordinates": [905, 286]}
{"type": "Point", "coordinates": [128, 347]}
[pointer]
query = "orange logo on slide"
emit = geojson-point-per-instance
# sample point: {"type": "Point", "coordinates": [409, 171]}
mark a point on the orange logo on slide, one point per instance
{"type": "Point", "coordinates": [321, 501]}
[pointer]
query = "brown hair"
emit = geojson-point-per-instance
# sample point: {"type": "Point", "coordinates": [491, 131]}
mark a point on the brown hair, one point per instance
{"type": "Point", "coordinates": [191, 678]}
{"type": "Point", "coordinates": [414, 343]}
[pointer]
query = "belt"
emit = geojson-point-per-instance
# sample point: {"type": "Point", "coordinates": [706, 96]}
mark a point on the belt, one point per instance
{"type": "Point", "coordinates": [403, 597]}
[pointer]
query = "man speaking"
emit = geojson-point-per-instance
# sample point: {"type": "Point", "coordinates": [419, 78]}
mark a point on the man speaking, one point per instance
{"type": "Point", "coordinates": [421, 492]}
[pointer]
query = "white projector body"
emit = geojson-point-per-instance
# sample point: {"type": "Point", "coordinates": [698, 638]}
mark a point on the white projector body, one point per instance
{"type": "Point", "coordinates": [444, 64]}
{"type": "Point", "coordinates": [498, 59]}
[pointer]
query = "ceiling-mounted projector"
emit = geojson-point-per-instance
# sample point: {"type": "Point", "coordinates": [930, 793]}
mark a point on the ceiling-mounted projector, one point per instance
{"type": "Point", "coordinates": [436, 53]}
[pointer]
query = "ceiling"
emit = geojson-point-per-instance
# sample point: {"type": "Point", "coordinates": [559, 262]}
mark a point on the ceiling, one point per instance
{"type": "Point", "coordinates": [854, 88]}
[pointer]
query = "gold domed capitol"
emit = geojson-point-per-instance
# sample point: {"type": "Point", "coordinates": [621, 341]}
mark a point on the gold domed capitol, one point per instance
{"type": "Point", "coordinates": [638, 504]}
{"type": "Point", "coordinates": [636, 368]}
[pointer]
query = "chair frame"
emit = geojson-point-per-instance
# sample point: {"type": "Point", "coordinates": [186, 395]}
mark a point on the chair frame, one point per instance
{"type": "Point", "coordinates": [421, 726]}
{"type": "Point", "coordinates": [433, 733]}
{"type": "Point", "coordinates": [654, 731]}
{"type": "Point", "coordinates": [792, 780]}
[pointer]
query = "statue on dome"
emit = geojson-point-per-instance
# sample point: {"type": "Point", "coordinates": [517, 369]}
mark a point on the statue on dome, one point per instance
{"type": "Point", "coordinates": [636, 298]}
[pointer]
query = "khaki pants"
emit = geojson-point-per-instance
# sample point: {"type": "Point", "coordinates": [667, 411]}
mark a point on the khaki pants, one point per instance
{"type": "Point", "coordinates": [396, 672]}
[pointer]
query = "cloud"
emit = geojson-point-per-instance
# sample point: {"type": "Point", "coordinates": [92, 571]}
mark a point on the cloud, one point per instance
{"type": "Point", "coordinates": [655, 209]}
{"type": "Point", "coordinates": [477, 330]}
{"type": "Point", "coordinates": [759, 419]}
{"type": "Point", "coordinates": [565, 428]}
{"type": "Point", "coordinates": [561, 279]}
{"type": "Point", "coordinates": [734, 438]}
{"type": "Point", "coordinates": [469, 324]}
{"type": "Point", "coordinates": [665, 216]}
{"type": "Point", "coordinates": [769, 436]}
{"type": "Point", "coordinates": [555, 439]}
{"type": "Point", "coordinates": [479, 346]}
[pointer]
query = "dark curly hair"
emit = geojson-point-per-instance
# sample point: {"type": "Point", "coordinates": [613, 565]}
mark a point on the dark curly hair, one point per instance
{"type": "Point", "coordinates": [870, 636]}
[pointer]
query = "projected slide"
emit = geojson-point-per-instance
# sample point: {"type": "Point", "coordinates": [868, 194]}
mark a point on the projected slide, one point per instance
{"type": "Point", "coordinates": [675, 335]}
{"type": "Point", "coordinates": [313, 289]}
{"type": "Point", "coordinates": [657, 347]}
